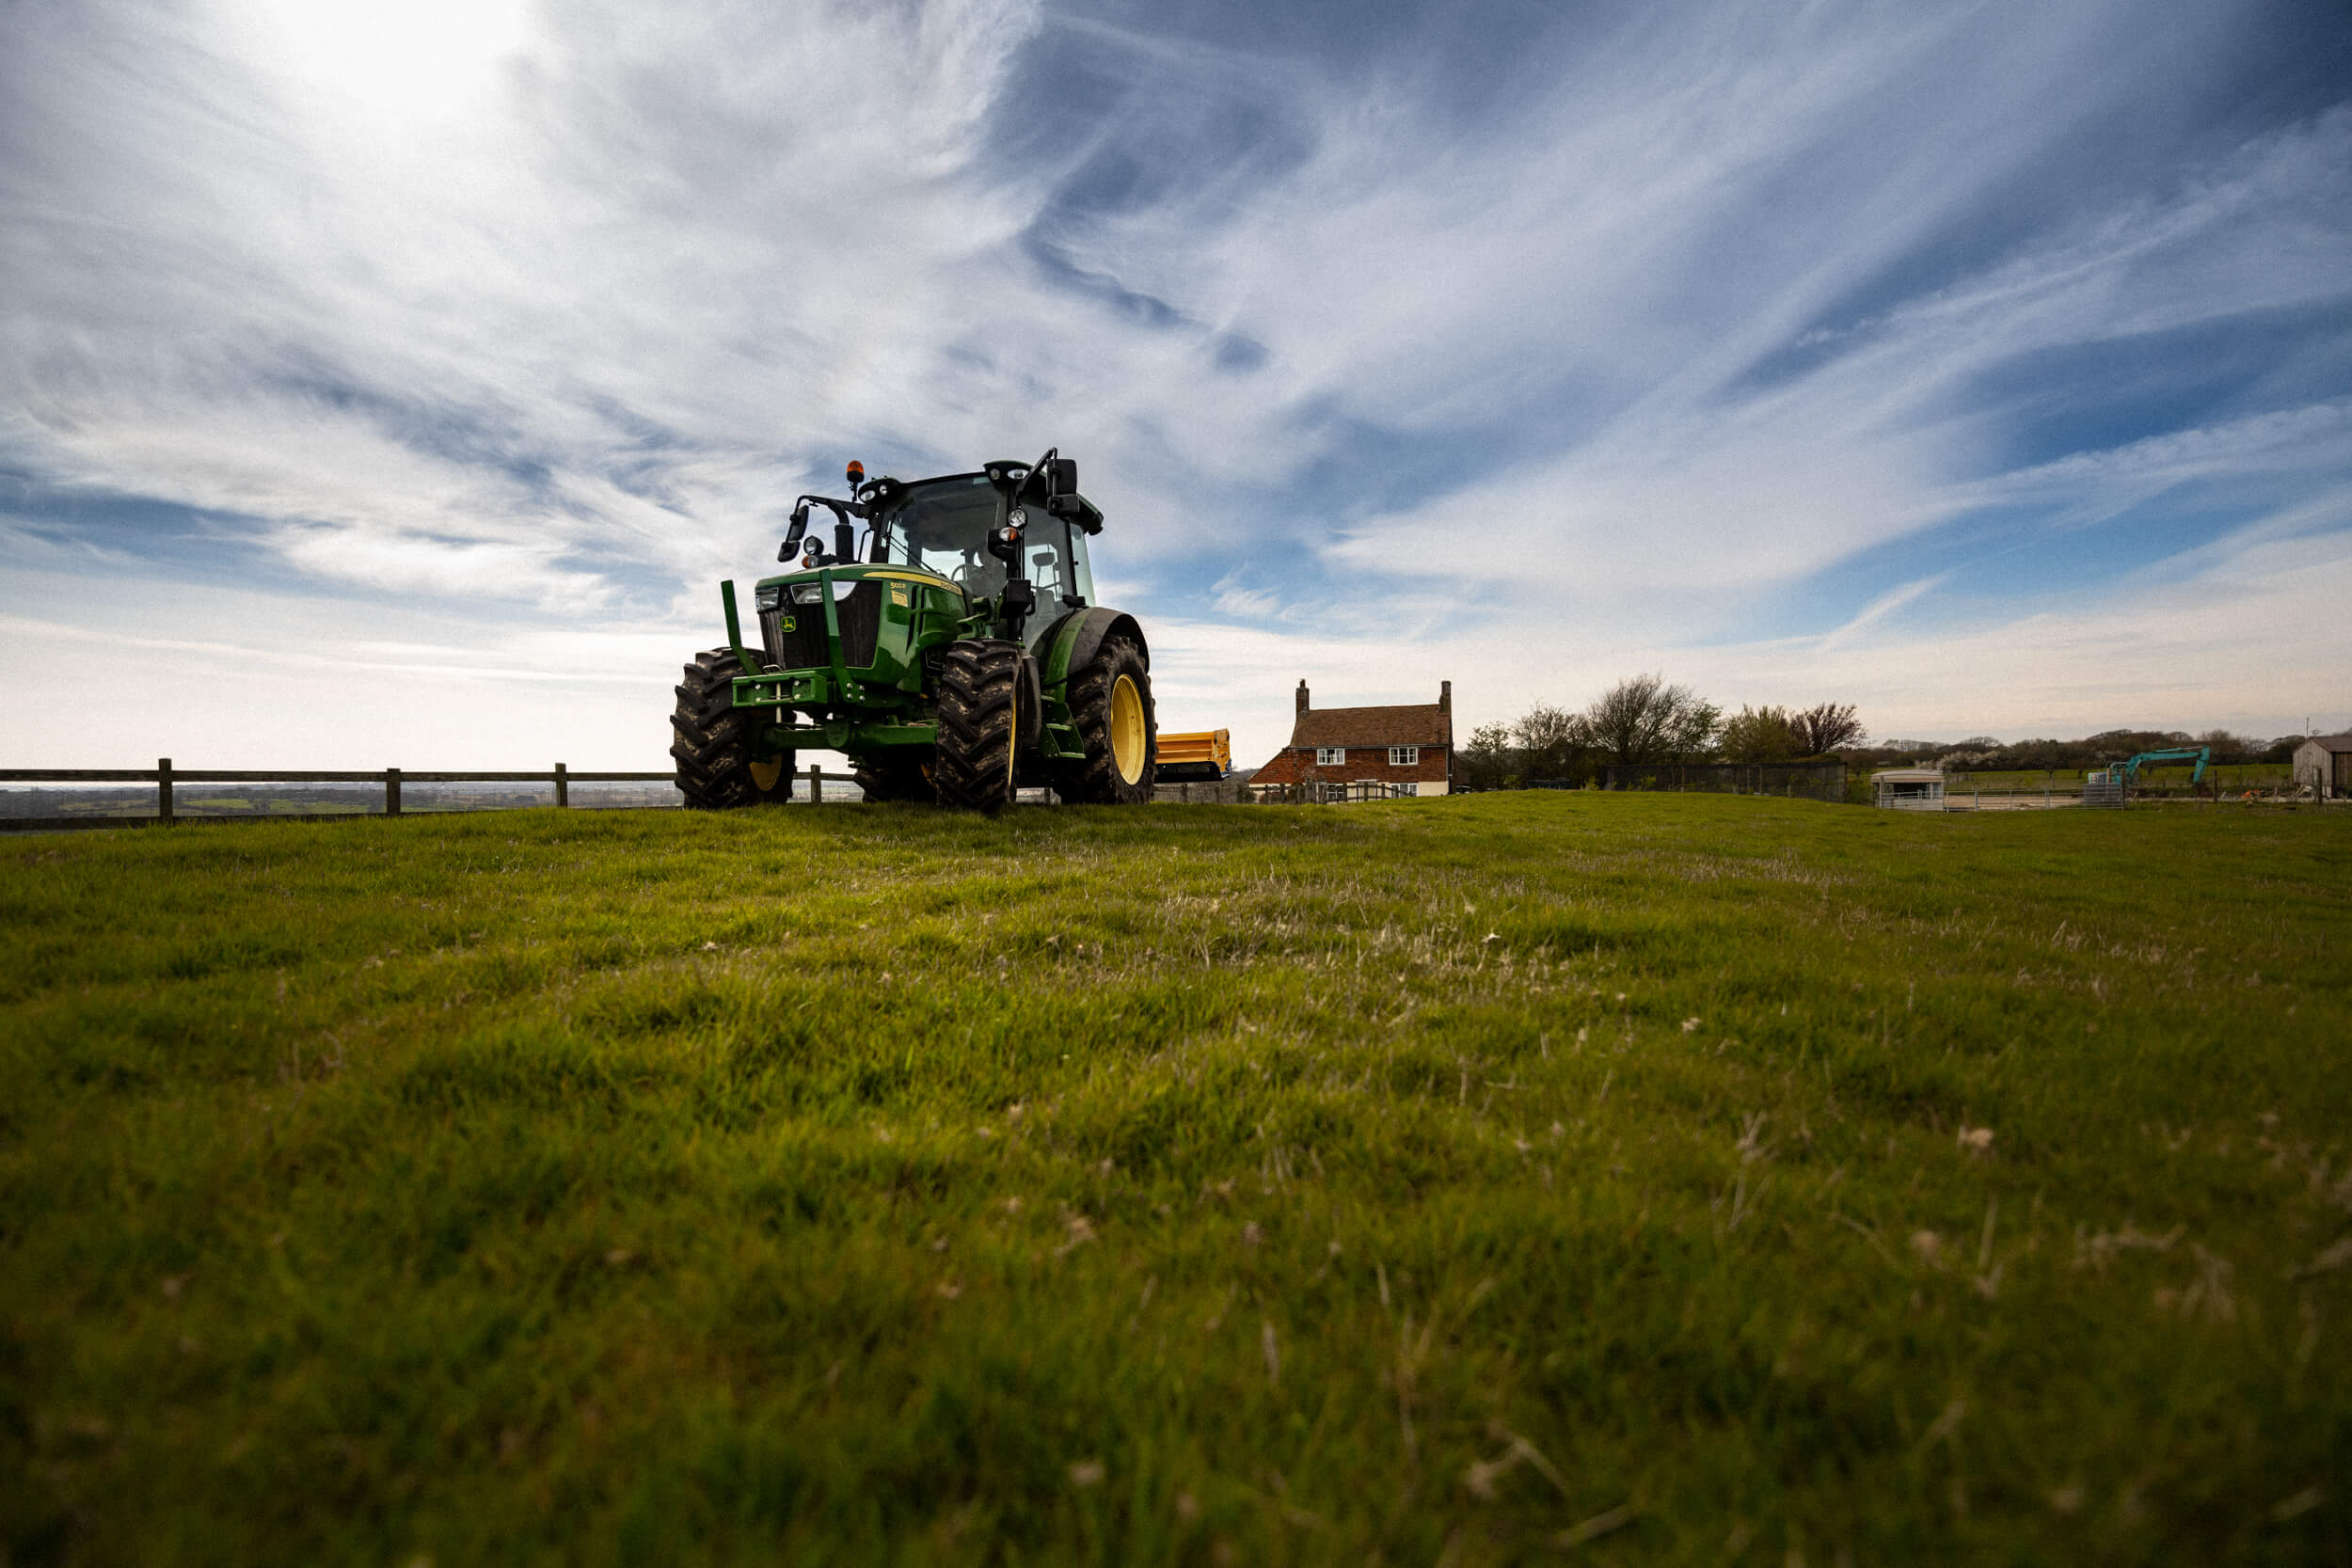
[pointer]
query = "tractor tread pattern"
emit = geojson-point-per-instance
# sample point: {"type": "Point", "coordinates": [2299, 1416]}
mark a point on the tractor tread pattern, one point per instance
{"type": "Point", "coordinates": [976, 717]}
{"type": "Point", "coordinates": [709, 741]}
{"type": "Point", "coordinates": [1096, 781]}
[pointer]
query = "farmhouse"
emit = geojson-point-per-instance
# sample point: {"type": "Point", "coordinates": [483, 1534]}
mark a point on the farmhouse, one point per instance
{"type": "Point", "coordinates": [2324, 762]}
{"type": "Point", "coordinates": [1411, 746]}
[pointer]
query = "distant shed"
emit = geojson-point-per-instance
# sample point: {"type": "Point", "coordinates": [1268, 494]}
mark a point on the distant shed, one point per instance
{"type": "Point", "coordinates": [1909, 789]}
{"type": "Point", "coordinates": [2325, 762]}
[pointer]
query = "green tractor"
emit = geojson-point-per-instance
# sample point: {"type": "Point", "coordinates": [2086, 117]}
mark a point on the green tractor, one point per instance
{"type": "Point", "coordinates": [955, 653]}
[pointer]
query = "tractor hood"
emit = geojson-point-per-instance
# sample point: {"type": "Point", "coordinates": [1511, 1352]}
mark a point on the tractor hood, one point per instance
{"type": "Point", "coordinates": [807, 587]}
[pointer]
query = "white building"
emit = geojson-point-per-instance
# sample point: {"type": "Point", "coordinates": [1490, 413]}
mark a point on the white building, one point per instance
{"type": "Point", "coordinates": [1910, 788]}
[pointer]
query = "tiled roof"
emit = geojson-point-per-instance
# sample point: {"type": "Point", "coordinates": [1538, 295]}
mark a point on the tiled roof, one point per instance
{"type": "Point", "coordinates": [1422, 725]}
{"type": "Point", "coordinates": [2329, 742]}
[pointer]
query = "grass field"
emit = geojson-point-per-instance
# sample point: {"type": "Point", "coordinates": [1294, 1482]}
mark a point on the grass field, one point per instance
{"type": "Point", "coordinates": [1520, 1178]}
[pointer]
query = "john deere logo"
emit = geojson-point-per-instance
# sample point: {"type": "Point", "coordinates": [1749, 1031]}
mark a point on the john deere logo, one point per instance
{"type": "Point", "coordinates": [788, 624]}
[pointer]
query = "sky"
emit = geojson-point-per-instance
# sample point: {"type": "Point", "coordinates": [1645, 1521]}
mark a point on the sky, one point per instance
{"type": "Point", "coordinates": [393, 384]}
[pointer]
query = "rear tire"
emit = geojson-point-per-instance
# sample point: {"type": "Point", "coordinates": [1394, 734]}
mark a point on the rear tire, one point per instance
{"type": "Point", "coordinates": [1110, 705]}
{"type": "Point", "coordinates": [979, 724]}
{"type": "Point", "coordinates": [711, 741]}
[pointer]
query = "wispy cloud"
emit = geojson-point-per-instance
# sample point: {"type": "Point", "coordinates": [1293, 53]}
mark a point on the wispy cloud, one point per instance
{"type": "Point", "coordinates": [1879, 610]}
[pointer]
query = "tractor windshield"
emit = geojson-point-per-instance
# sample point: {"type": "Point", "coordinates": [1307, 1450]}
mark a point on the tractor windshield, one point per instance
{"type": "Point", "coordinates": [943, 527]}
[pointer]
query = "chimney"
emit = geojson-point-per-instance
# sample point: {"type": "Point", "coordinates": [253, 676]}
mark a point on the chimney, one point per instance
{"type": "Point", "coordinates": [1302, 697]}
{"type": "Point", "coordinates": [1445, 697]}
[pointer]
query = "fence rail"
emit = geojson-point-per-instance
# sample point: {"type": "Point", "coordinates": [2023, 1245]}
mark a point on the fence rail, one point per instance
{"type": "Point", "coordinates": [1314, 793]}
{"type": "Point", "coordinates": [166, 778]}
{"type": "Point", "coordinates": [2044, 797]}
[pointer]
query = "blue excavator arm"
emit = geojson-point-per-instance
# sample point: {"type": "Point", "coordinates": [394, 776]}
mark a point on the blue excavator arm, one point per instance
{"type": "Point", "coordinates": [2201, 754]}
{"type": "Point", "coordinates": [2125, 773]}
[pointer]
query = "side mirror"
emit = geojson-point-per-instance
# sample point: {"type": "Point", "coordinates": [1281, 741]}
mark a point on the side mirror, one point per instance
{"type": "Point", "coordinates": [1061, 476]}
{"type": "Point", "coordinates": [1078, 509]}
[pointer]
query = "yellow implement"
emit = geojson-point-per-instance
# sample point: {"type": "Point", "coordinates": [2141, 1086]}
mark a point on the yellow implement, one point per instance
{"type": "Point", "coordinates": [1195, 756]}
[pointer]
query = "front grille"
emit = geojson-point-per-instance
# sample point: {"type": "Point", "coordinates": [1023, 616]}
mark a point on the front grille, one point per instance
{"type": "Point", "coordinates": [803, 647]}
{"type": "Point", "coordinates": [861, 625]}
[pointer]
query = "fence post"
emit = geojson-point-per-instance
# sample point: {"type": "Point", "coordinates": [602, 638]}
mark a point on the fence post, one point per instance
{"type": "Point", "coordinates": [392, 792]}
{"type": "Point", "coordinates": [163, 791]}
{"type": "Point", "coordinates": [816, 785]}
{"type": "Point", "coordinates": [562, 787]}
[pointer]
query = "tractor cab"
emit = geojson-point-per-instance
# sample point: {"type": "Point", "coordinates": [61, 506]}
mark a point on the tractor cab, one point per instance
{"type": "Point", "coordinates": [944, 527]}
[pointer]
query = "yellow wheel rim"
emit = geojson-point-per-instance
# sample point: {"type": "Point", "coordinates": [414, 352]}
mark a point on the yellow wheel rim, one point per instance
{"type": "Point", "coordinates": [1128, 743]}
{"type": "Point", "coordinates": [764, 774]}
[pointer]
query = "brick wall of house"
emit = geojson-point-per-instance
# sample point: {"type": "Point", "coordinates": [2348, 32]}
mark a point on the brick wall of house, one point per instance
{"type": "Point", "coordinates": [1370, 762]}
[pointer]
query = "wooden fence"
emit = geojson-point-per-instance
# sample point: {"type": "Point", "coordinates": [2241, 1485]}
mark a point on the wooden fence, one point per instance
{"type": "Point", "coordinates": [166, 779]}
{"type": "Point", "coordinates": [1317, 794]}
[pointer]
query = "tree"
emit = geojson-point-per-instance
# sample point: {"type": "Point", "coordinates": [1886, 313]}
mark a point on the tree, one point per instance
{"type": "Point", "coordinates": [1641, 719]}
{"type": "Point", "coordinates": [1549, 741]}
{"type": "Point", "coordinates": [2227, 746]}
{"type": "Point", "coordinates": [1824, 727]}
{"type": "Point", "coordinates": [1759, 735]}
{"type": "Point", "coordinates": [1489, 758]}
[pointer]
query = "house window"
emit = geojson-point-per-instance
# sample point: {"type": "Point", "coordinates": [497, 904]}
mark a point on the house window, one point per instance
{"type": "Point", "coordinates": [1407, 788]}
{"type": "Point", "coordinates": [1330, 756]}
{"type": "Point", "coordinates": [1404, 756]}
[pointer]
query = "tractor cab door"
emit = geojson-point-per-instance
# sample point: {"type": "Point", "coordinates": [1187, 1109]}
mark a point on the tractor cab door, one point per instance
{"type": "Point", "coordinates": [1080, 580]}
{"type": "Point", "coordinates": [1055, 557]}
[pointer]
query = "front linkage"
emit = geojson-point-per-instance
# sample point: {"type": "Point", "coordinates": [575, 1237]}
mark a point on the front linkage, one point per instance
{"type": "Point", "coordinates": [927, 660]}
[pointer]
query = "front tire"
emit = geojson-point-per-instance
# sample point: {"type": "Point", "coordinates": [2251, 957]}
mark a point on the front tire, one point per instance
{"type": "Point", "coordinates": [979, 724]}
{"type": "Point", "coordinates": [1110, 705]}
{"type": "Point", "coordinates": [711, 741]}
